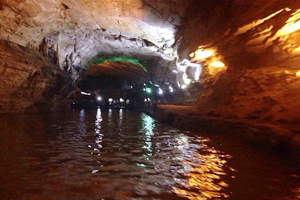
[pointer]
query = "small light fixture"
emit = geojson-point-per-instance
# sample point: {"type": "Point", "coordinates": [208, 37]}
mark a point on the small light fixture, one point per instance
{"type": "Point", "coordinates": [217, 64]}
{"type": "Point", "coordinates": [99, 98]}
{"type": "Point", "coordinates": [148, 90]}
{"type": "Point", "coordinates": [86, 93]}
{"type": "Point", "coordinates": [160, 91]}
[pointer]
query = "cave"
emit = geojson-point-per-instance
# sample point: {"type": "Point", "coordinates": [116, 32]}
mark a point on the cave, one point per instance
{"type": "Point", "coordinates": [149, 99]}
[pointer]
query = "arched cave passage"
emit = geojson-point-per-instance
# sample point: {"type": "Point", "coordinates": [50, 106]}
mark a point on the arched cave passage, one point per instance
{"type": "Point", "coordinates": [122, 82]}
{"type": "Point", "coordinates": [224, 74]}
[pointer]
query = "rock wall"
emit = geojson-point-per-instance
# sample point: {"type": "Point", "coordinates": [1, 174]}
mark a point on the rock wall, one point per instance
{"type": "Point", "coordinates": [27, 22]}
{"type": "Point", "coordinates": [263, 95]}
{"type": "Point", "coordinates": [259, 44]}
{"type": "Point", "coordinates": [74, 50]}
{"type": "Point", "coordinates": [29, 82]}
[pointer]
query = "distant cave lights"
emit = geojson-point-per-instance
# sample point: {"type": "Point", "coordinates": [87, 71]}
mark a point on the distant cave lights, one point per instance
{"type": "Point", "coordinates": [159, 90]}
{"type": "Point", "coordinates": [190, 70]}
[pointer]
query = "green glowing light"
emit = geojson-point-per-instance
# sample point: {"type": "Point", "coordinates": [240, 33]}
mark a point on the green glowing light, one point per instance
{"type": "Point", "coordinates": [148, 90]}
{"type": "Point", "coordinates": [112, 59]}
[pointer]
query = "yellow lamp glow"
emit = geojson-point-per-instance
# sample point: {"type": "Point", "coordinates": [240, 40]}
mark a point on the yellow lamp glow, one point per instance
{"type": "Point", "coordinates": [297, 49]}
{"type": "Point", "coordinates": [201, 54]}
{"type": "Point", "coordinates": [298, 73]}
{"type": "Point", "coordinates": [291, 25]}
{"type": "Point", "coordinates": [217, 64]}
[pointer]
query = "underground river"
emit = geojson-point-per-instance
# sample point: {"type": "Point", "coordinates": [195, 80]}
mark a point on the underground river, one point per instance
{"type": "Point", "coordinates": [122, 154]}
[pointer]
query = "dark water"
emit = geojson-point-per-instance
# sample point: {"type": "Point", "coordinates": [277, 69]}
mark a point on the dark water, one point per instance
{"type": "Point", "coordinates": [121, 154]}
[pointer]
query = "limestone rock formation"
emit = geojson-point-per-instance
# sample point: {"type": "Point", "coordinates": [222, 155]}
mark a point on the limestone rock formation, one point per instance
{"type": "Point", "coordinates": [29, 82]}
{"type": "Point", "coordinates": [118, 69]}
{"type": "Point", "coordinates": [258, 43]}
{"type": "Point", "coordinates": [27, 22]}
{"type": "Point", "coordinates": [70, 34]}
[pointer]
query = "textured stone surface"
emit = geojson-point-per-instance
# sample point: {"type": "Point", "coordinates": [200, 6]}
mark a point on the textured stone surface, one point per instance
{"type": "Point", "coordinates": [266, 94]}
{"type": "Point", "coordinates": [259, 43]}
{"type": "Point", "coordinates": [246, 33]}
{"type": "Point", "coordinates": [118, 69]}
{"type": "Point", "coordinates": [72, 50]}
{"type": "Point", "coordinates": [28, 81]}
{"type": "Point", "coordinates": [71, 33]}
{"type": "Point", "coordinates": [29, 21]}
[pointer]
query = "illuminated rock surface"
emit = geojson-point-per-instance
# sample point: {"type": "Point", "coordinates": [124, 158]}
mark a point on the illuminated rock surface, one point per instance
{"type": "Point", "coordinates": [258, 42]}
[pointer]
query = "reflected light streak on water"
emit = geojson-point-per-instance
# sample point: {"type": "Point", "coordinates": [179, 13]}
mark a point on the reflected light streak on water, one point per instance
{"type": "Point", "coordinates": [81, 123]}
{"type": "Point", "coordinates": [98, 121]}
{"type": "Point", "coordinates": [147, 128]}
{"type": "Point", "coordinates": [120, 117]}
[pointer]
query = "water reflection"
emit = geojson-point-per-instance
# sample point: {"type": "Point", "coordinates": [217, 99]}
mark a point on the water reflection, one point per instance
{"type": "Point", "coordinates": [148, 126]}
{"type": "Point", "coordinates": [109, 114]}
{"type": "Point", "coordinates": [120, 118]}
{"type": "Point", "coordinates": [204, 175]}
{"type": "Point", "coordinates": [86, 154]}
{"type": "Point", "coordinates": [99, 135]}
{"type": "Point", "coordinates": [81, 123]}
{"type": "Point", "coordinates": [98, 121]}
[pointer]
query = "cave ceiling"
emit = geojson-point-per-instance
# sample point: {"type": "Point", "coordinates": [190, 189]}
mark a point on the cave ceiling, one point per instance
{"type": "Point", "coordinates": [160, 34]}
{"type": "Point", "coordinates": [72, 33]}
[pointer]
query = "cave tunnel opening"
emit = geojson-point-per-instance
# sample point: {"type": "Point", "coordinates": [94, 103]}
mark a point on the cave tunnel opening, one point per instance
{"type": "Point", "coordinates": [120, 82]}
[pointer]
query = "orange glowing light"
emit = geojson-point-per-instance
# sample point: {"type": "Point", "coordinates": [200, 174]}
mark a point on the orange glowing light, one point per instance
{"type": "Point", "coordinates": [256, 23]}
{"type": "Point", "coordinates": [291, 25]}
{"type": "Point", "coordinates": [201, 54]}
{"type": "Point", "coordinates": [298, 73]}
{"type": "Point", "coordinates": [297, 49]}
{"type": "Point", "coordinates": [205, 179]}
{"type": "Point", "coordinates": [217, 64]}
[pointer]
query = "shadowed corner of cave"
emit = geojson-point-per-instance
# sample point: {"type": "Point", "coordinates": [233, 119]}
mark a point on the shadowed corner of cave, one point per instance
{"type": "Point", "coordinates": [229, 69]}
